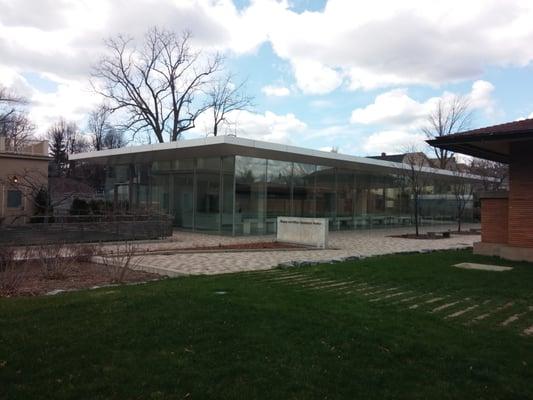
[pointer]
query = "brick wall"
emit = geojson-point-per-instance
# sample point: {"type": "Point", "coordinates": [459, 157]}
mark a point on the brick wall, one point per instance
{"type": "Point", "coordinates": [521, 196]}
{"type": "Point", "coordinates": [494, 216]}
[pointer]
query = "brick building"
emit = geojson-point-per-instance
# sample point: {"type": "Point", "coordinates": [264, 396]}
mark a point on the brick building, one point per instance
{"type": "Point", "coordinates": [23, 170]}
{"type": "Point", "coordinates": [506, 216]}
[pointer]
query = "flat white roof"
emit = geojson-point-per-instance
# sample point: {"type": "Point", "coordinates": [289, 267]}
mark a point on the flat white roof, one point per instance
{"type": "Point", "coordinates": [231, 145]}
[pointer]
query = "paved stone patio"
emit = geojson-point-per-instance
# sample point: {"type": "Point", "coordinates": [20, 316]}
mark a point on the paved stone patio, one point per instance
{"type": "Point", "coordinates": [342, 245]}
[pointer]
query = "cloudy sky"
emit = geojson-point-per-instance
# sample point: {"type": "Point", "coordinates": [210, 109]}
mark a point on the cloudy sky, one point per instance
{"type": "Point", "coordinates": [357, 75]}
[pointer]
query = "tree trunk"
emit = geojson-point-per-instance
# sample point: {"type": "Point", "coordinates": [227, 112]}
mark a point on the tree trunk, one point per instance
{"type": "Point", "coordinates": [416, 214]}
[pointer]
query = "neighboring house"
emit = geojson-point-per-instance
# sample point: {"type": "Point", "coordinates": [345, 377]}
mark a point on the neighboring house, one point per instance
{"type": "Point", "coordinates": [404, 158]}
{"type": "Point", "coordinates": [506, 216]}
{"type": "Point", "coordinates": [452, 164]}
{"type": "Point", "coordinates": [23, 171]}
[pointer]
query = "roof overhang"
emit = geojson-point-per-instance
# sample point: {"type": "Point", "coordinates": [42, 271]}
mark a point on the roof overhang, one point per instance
{"type": "Point", "coordinates": [494, 146]}
{"type": "Point", "coordinates": [231, 145]}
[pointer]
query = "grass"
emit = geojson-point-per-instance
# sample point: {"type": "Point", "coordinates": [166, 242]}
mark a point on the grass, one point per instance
{"type": "Point", "coordinates": [261, 336]}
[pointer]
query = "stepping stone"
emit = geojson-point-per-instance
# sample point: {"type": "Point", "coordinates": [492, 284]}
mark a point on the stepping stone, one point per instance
{"type": "Point", "coordinates": [515, 317]}
{"type": "Point", "coordinates": [528, 331]}
{"type": "Point", "coordinates": [407, 299]}
{"type": "Point", "coordinates": [445, 306]}
{"type": "Point", "coordinates": [483, 316]}
{"type": "Point", "coordinates": [390, 295]}
{"type": "Point", "coordinates": [326, 285]}
{"type": "Point", "coordinates": [338, 287]}
{"type": "Point", "coordinates": [483, 267]}
{"type": "Point", "coordinates": [434, 300]}
{"type": "Point", "coordinates": [380, 291]}
{"type": "Point", "coordinates": [461, 312]}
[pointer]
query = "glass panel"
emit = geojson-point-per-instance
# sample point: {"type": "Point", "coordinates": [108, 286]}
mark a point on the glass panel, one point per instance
{"type": "Point", "coordinates": [279, 182]}
{"type": "Point", "coordinates": [250, 195]}
{"type": "Point", "coordinates": [228, 170]}
{"type": "Point", "coordinates": [183, 199]}
{"type": "Point", "coordinates": [325, 194]}
{"type": "Point", "coordinates": [207, 214]}
{"type": "Point", "coordinates": [345, 199]}
{"type": "Point", "coordinates": [303, 190]}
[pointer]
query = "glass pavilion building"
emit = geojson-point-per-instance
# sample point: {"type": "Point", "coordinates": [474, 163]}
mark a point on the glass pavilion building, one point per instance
{"type": "Point", "coordinates": [239, 186]}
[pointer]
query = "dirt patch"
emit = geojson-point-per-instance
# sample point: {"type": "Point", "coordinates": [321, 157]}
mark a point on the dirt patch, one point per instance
{"type": "Point", "coordinates": [420, 236]}
{"type": "Point", "coordinates": [466, 233]}
{"type": "Point", "coordinates": [248, 246]}
{"type": "Point", "coordinates": [77, 276]}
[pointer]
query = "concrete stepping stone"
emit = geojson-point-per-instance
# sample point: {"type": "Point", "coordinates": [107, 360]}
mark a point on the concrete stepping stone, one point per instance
{"type": "Point", "coordinates": [528, 331]}
{"type": "Point", "coordinates": [324, 285]}
{"type": "Point", "coordinates": [306, 282]}
{"type": "Point", "coordinates": [380, 291]}
{"type": "Point", "coordinates": [515, 317]}
{"type": "Point", "coordinates": [494, 311]}
{"type": "Point", "coordinates": [445, 306]}
{"type": "Point", "coordinates": [461, 312]}
{"type": "Point", "coordinates": [408, 299]}
{"type": "Point", "coordinates": [334, 288]}
{"type": "Point", "coordinates": [435, 299]}
{"type": "Point", "coordinates": [483, 267]}
{"type": "Point", "coordinates": [389, 296]}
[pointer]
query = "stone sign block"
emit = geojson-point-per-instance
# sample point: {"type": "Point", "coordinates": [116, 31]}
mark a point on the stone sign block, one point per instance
{"type": "Point", "coordinates": [308, 231]}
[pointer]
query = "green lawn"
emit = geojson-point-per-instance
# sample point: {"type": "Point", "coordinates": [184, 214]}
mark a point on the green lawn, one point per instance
{"type": "Point", "coordinates": [324, 332]}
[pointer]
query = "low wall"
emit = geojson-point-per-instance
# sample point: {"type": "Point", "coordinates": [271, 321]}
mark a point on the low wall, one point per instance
{"type": "Point", "coordinates": [494, 218]}
{"type": "Point", "coordinates": [308, 231]}
{"type": "Point", "coordinates": [78, 232]}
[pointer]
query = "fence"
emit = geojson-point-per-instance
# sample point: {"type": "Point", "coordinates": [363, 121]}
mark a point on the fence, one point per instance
{"type": "Point", "coordinates": [88, 228]}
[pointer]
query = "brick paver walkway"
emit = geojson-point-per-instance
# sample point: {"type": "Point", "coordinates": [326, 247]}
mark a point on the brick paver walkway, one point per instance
{"type": "Point", "coordinates": [342, 245]}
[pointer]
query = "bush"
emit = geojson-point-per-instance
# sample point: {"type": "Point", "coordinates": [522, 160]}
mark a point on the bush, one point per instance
{"type": "Point", "coordinates": [120, 260]}
{"type": "Point", "coordinates": [11, 272]}
{"type": "Point", "coordinates": [79, 207]}
{"type": "Point", "coordinates": [55, 260]}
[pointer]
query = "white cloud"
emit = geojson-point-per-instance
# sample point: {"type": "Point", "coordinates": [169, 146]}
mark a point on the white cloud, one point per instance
{"type": "Point", "coordinates": [392, 108]}
{"type": "Point", "coordinates": [401, 117]}
{"type": "Point", "coordinates": [389, 42]}
{"type": "Point", "coordinates": [396, 109]}
{"type": "Point", "coordinates": [269, 126]}
{"type": "Point", "coordinates": [275, 91]}
{"type": "Point", "coordinates": [312, 77]}
{"type": "Point", "coordinates": [392, 142]}
{"type": "Point", "coordinates": [530, 115]}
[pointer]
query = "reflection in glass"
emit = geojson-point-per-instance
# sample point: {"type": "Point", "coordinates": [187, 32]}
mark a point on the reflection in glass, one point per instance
{"type": "Point", "coordinates": [303, 195]}
{"type": "Point", "coordinates": [250, 196]}
{"type": "Point", "coordinates": [279, 183]}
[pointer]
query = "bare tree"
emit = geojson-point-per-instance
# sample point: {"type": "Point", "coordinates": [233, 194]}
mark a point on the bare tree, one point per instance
{"type": "Point", "coordinates": [103, 134]}
{"type": "Point", "coordinates": [158, 85]}
{"type": "Point", "coordinates": [15, 125]}
{"type": "Point", "coordinates": [64, 139]}
{"type": "Point", "coordinates": [98, 125]}
{"type": "Point", "coordinates": [451, 115]}
{"type": "Point", "coordinates": [9, 103]}
{"type": "Point", "coordinates": [494, 174]}
{"type": "Point", "coordinates": [463, 192]}
{"type": "Point", "coordinates": [226, 97]}
{"type": "Point", "coordinates": [415, 179]}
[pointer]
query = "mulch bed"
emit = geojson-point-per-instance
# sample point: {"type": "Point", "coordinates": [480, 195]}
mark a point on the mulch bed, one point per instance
{"type": "Point", "coordinates": [248, 246]}
{"type": "Point", "coordinates": [78, 276]}
{"type": "Point", "coordinates": [420, 236]}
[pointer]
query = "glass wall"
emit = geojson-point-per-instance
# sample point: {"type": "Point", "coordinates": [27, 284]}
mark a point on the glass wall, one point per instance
{"type": "Point", "coordinates": [250, 195]}
{"type": "Point", "coordinates": [238, 195]}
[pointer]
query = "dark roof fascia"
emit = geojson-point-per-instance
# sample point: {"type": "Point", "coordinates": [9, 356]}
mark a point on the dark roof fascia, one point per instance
{"type": "Point", "coordinates": [482, 137]}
